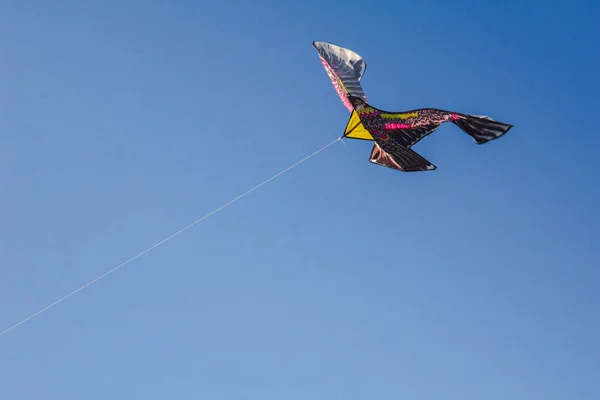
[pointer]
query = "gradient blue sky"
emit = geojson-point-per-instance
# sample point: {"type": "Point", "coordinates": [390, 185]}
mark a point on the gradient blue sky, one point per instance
{"type": "Point", "coordinates": [123, 121]}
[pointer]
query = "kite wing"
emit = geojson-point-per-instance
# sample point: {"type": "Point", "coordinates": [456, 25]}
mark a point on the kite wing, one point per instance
{"type": "Point", "coordinates": [400, 158]}
{"type": "Point", "coordinates": [345, 69]}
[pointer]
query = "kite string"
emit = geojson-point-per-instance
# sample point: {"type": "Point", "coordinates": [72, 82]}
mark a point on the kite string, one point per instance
{"type": "Point", "coordinates": [104, 275]}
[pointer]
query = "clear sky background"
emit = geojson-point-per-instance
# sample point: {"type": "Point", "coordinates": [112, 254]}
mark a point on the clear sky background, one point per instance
{"type": "Point", "coordinates": [123, 121]}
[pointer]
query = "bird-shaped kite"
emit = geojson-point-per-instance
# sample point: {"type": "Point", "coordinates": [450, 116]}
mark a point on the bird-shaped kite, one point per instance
{"type": "Point", "coordinates": [394, 133]}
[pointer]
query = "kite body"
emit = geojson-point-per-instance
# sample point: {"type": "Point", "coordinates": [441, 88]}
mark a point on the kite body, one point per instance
{"type": "Point", "coordinates": [394, 133]}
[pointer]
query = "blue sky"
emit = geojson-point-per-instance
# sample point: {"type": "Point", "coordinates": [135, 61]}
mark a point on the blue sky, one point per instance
{"type": "Point", "coordinates": [122, 122]}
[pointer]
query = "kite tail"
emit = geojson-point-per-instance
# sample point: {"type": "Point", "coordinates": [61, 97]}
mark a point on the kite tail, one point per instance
{"type": "Point", "coordinates": [481, 128]}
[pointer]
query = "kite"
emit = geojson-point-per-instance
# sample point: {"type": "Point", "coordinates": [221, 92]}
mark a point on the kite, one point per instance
{"type": "Point", "coordinates": [394, 133]}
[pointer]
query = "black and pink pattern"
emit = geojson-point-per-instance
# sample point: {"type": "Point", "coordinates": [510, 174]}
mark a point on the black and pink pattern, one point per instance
{"type": "Point", "coordinates": [395, 132]}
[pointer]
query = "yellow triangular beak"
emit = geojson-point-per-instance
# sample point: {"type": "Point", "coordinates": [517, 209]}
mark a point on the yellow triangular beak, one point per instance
{"type": "Point", "coordinates": [355, 129]}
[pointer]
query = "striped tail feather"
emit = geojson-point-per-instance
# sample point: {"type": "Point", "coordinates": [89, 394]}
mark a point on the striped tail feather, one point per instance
{"type": "Point", "coordinates": [482, 128]}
